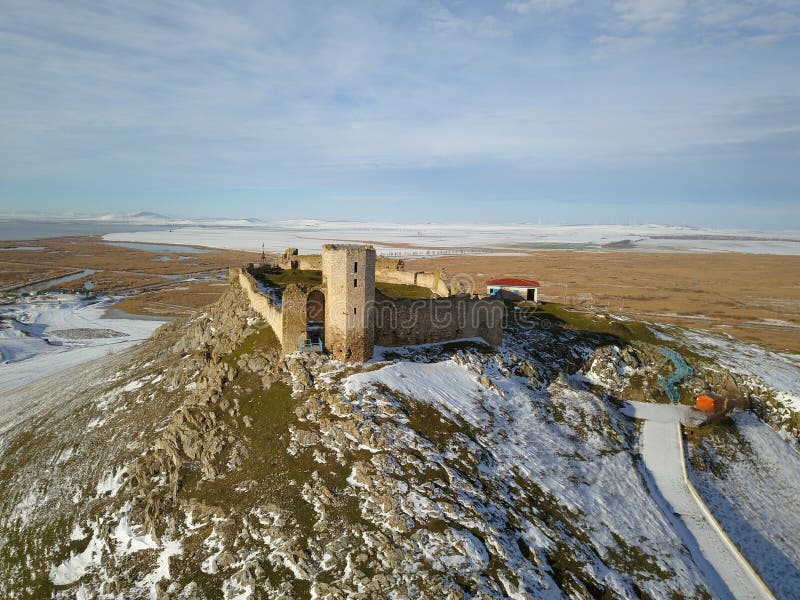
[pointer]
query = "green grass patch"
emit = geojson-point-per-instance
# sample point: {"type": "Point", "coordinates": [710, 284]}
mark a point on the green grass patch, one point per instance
{"type": "Point", "coordinates": [629, 331]}
{"type": "Point", "coordinates": [283, 277]}
{"type": "Point", "coordinates": [263, 338]}
{"type": "Point", "coordinates": [399, 291]}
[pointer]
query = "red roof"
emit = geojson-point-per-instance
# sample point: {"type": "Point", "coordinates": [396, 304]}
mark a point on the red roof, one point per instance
{"type": "Point", "coordinates": [513, 282]}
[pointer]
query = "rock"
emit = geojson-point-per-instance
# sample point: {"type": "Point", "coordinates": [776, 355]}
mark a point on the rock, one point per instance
{"type": "Point", "coordinates": [300, 373]}
{"type": "Point", "coordinates": [306, 438]}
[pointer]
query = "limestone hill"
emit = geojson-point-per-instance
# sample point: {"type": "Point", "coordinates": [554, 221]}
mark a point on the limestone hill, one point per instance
{"type": "Point", "coordinates": [204, 464]}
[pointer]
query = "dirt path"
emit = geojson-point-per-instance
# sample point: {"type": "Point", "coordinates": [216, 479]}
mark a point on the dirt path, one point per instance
{"type": "Point", "coordinates": [726, 570]}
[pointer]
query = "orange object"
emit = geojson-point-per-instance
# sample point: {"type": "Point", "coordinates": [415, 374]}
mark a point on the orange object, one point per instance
{"type": "Point", "coordinates": [705, 403]}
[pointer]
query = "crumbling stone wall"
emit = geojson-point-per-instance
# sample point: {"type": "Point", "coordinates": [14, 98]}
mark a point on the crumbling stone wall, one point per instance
{"type": "Point", "coordinates": [433, 281]}
{"type": "Point", "coordinates": [388, 270]}
{"type": "Point", "coordinates": [382, 263]}
{"type": "Point", "coordinates": [295, 321]}
{"type": "Point", "coordinates": [292, 259]}
{"type": "Point", "coordinates": [354, 322]}
{"type": "Point", "coordinates": [409, 322]}
{"type": "Point", "coordinates": [260, 303]}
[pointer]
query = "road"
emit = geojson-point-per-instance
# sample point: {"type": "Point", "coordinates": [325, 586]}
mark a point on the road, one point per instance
{"type": "Point", "coordinates": [661, 444]}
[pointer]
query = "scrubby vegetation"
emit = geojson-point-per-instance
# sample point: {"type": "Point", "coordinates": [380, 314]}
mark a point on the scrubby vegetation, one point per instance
{"type": "Point", "coordinates": [206, 464]}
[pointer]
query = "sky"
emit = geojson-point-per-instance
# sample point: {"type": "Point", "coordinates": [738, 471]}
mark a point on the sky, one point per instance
{"type": "Point", "coordinates": [552, 111]}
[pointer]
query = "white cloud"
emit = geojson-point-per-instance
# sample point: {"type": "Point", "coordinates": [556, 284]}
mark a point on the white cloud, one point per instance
{"type": "Point", "coordinates": [609, 46]}
{"type": "Point", "coordinates": [442, 20]}
{"type": "Point", "coordinates": [526, 6]}
{"type": "Point", "coordinates": [271, 94]}
{"type": "Point", "coordinates": [492, 27]}
{"type": "Point", "coordinates": [649, 16]}
{"type": "Point", "coordinates": [748, 21]}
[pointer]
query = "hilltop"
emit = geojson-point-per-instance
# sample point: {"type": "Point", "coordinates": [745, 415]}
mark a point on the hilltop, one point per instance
{"type": "Point", "coordinates": [204, 464]}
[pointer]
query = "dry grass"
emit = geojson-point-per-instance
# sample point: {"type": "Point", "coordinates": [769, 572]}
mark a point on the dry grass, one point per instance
{"type": "Point", "coordinates": [113, 281]}
{"type": "Point", "coordinates": [93, 253]}
{"type": "Point", "coordinates": [122, 269]}
{"type": "Point", "coordinates": [175, 301]}
{"type": "Point", "coordinates": [753, 297]}
{"type": "Point", "coordinates": [13, 274]}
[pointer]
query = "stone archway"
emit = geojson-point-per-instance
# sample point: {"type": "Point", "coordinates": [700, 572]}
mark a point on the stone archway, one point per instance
{"type": "Point", "coordinates": [315, 316]}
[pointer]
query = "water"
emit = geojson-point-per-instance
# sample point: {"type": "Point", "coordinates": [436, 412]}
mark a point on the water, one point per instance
{"type": "Point", "coordinates": [172, 248]}
{"type": "Point", "coordinates": [54, 283]}
{"type": "Point", "coordinates": [28, 229]}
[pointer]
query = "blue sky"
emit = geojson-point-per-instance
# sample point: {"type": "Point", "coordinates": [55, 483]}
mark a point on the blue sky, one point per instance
{"type": "Point", "coordinates": [563, 111]}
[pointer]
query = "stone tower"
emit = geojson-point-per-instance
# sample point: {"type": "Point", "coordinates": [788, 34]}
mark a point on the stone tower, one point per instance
{"type": "Point", "coordinates": [348, 275]}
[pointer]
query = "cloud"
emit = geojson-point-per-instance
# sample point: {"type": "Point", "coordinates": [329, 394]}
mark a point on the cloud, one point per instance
{"type": "Point", "coordinates": [749, 22]}
{"type": "Point", "coordinates": [609, 46]}
{"type": "Point", "coordinates": [491, 27]}
{"type": "Point", "coordinates": [364, 96]}
{"type": "Point", "coordinates": [649, 16]}
{"type": "Point", "coordinates": [441, 20]}
{"type": "Point", "coordinates": [525, 6]}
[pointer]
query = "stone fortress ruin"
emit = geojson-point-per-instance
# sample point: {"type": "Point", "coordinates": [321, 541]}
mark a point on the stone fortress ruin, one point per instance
{"type": "Point", "coordinates": [348, 300]}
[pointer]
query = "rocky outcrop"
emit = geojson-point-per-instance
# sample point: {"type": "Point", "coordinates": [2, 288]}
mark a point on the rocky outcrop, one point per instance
{"type": "Point", "coordinates": [255, 470]}
{"type": "Point", "coordinates": [197, 434]}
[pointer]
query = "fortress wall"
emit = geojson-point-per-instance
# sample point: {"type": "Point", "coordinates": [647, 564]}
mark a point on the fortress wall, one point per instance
{"type": "Point", "coordinates": [309, 262]}
{"type": "Point", "coordinates": [263, 305]}
{"type": "Point", "coordinates": [354, 321]}
{"type": "Point", "coordinates": [387, 270]}
{"type": "Point", "coordinates": [291, 259]}
{"type": "Point", "coordinates": [394, 276]}
{"type": "Point", "coordinates": [382, 263]}
{"type": "Point", "coordinates": [419, 278]}
{"type": "Point", "coordinates": [433, 282]}
{"type": "Point", "coordinates": [294, 318]}
{"type": "Point", "coordinates": [409, 322]}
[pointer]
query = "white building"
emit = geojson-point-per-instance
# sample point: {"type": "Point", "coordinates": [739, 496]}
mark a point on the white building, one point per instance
{"type": "Point", "coordinates": [524, 289]}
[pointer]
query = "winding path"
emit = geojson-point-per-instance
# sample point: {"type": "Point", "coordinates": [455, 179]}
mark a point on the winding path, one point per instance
{"type": "Point", "coordinates": [727, 571]}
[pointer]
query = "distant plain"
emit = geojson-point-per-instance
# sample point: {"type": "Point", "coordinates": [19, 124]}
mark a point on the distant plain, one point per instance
{"type": "Point", "coordinates": [752, 296]}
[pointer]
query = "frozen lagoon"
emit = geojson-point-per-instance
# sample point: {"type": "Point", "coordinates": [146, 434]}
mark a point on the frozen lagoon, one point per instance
{"type": "Point", "coordinates": [48, 334]}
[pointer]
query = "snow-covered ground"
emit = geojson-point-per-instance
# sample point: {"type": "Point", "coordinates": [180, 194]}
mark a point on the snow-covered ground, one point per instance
{"type": "Point", "coordinates": [760, 515]}
{"type": "Point", "coordinates": [780, 371]}
{"type": "Point", "coordinates": [49, 334]}
{"type": "Point", "coordinates": [512, 424]}
{"type": "Point", "coordinates": [395, 238]}
{"type": "Point", "coordinates": [663, 457]}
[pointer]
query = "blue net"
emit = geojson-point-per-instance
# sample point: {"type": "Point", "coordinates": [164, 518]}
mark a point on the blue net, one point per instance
{"type": "Point", "coordinates": [681, 370]}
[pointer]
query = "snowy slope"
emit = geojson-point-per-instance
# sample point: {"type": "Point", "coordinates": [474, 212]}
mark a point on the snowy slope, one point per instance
{"type": "Point", "coordinates": [205, 463]}
{"type": "Point", "coordinates": [751, 481]}
{"type": "Point", "coordinates": [514, 426]}
{"type": "Point", "coordinates": [780, 371]}
{"type": "Point", "coordinates": [51, 333]}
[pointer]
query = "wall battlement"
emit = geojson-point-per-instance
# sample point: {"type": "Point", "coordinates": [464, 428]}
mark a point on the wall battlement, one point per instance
{"type": "Point", "coordinates": [387, 270]}
{"type": "Point", "coordinates": [353, 321]}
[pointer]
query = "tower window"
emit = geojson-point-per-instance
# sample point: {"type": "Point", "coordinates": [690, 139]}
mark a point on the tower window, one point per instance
{"type": "Point", "coordinates": [354, 311]}
{"type": "Point", "coordinates": [355, 282]}
{"type": "Point", "coordinates": [355, 267]}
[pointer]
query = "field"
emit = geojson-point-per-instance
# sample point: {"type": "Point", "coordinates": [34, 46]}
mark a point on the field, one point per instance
{"type": "Point", "coordinates": [161, 281]}
{"type": "Point", "coordinates": [176, 300]}
{"type": "Point", "coordinates": [754, 297]}
{"type": "Point", "coordinates": [13, 273]}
